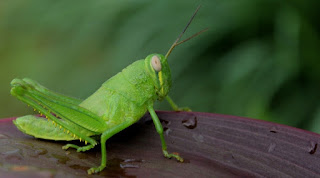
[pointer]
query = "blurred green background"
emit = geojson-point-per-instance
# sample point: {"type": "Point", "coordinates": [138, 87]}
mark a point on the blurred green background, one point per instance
{"type": "Point", "coordinates": [259, 59]}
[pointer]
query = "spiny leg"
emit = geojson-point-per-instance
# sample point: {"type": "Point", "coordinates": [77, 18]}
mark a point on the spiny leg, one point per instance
{"type": "Point", "coordinates": [104, 137]}
{"type": "Point", "coordinates": [70, 129]}
{"type": "Point", "coordinates": [159, 129]}
{"type": "Point", "coordinates": [66, 111]}
{"type": "Point", "coordinates": [40, 127]}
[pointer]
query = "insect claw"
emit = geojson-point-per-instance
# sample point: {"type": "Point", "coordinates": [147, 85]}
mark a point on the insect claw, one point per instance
{"type": "Point", "coordinates": [86, 142]}
{"type": "Point", "coordinates": [80, 139]}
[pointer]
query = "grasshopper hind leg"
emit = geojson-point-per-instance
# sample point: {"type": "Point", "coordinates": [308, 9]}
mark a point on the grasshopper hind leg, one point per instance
{"type": "Point", "coordinates": [39, 127]}
{"type": "Point", "coordinates": [61, 113]}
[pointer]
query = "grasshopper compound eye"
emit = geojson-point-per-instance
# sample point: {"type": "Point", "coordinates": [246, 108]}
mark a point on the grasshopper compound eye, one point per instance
{"type": "Point", "coordinates": [155, 62]}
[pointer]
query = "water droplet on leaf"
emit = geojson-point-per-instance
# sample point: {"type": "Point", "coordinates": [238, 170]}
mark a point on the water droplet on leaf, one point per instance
{"type": "Point", "coordinates": [271, 147]}
{"type": "Point", "coordinates": [273, 129]}
{"type": "Point", "coordinates": [128, 166]}
{"type": "Point", "coordinates": [190, 122]}
{"type": "Point", "coordinates": [198, 137]}
{"type": "Point", "coordinates": [61, 159]}
{"type": "Point", "coordinates": [3, 136]}
{"type": "Point", "coordinates": [167, 131]}
{"type": "Point", "coordinates": [14, 154]}
{"type": "Point", "coordinates": [313, 147]}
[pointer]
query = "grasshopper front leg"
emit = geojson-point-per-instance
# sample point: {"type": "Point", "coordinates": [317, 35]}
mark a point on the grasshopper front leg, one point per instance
{"type": "Point", "coordinates": [159, 129]}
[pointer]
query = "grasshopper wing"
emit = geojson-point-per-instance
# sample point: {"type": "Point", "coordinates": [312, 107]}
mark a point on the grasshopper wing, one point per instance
{"type": "Point", "coordinates": [62, 113]}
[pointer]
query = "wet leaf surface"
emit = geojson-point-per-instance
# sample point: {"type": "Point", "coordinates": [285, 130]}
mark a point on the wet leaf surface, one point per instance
{"type": "Point", "coordinates": [219, 146]}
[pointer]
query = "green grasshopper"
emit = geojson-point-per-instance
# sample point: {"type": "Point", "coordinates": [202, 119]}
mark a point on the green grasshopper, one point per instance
{"type": "Point", "coordinates": [118, 103]}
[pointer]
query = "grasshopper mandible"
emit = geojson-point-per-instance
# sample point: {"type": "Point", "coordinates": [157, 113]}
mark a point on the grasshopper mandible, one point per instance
{"type": "Point", "coordinates": [118, 103]}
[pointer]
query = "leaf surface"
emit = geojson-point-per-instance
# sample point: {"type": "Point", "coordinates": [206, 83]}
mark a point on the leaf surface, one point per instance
{"type": "Point", "coordinates": [213, 145]}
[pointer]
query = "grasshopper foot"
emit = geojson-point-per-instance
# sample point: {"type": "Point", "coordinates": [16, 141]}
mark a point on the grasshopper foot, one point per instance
{"type": "Point", "coordinates": [183, 109]}
{"type": "Point", "coordinates": [83, 148]}
{"type": "Point", "coordinates": [174, 155]}
{"type": "Point", "coordinates": [67, 146]}
{"type": "Point", "coordinates": [95, 169]}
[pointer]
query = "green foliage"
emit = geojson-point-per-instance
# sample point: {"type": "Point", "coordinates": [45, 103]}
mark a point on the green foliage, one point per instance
{"type": "Point", "coordinates": [259, 59]}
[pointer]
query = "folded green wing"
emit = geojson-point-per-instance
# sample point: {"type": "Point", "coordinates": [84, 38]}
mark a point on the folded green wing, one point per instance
{"type": "Point", "coordinates": [59, 110]}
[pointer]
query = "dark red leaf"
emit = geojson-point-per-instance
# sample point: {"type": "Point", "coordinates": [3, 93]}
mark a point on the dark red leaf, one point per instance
{"type": "Point", "coordinates": [213, 146]}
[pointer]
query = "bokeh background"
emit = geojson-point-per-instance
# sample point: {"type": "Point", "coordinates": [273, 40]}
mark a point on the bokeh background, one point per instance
{"type": "Point", "coordinates": [259, 59]}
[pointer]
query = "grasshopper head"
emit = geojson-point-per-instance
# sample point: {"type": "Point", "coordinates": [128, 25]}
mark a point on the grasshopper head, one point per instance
{"type": "Point", "coordinates": [159, 71]}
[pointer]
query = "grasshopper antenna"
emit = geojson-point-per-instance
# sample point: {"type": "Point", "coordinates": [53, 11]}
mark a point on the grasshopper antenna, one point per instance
{"type": "Point", "coordinates": [176, 43]}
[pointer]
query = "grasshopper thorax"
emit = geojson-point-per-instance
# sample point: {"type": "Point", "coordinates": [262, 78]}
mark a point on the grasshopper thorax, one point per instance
{"type": "Point", "coordinates": [158, 69]}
